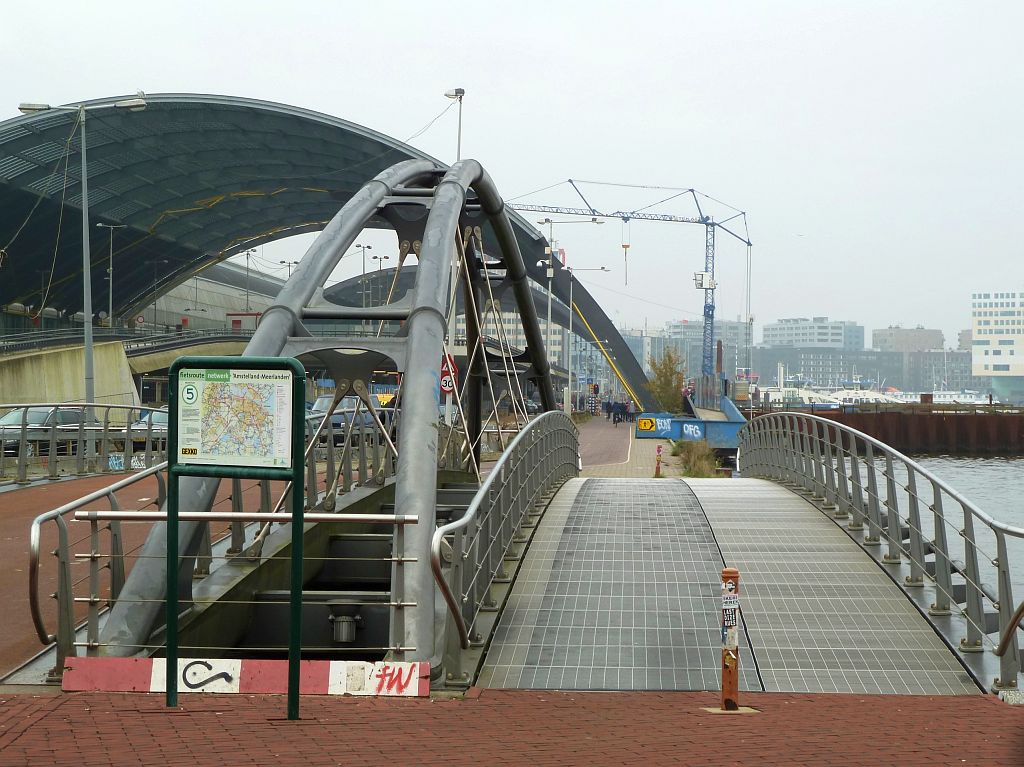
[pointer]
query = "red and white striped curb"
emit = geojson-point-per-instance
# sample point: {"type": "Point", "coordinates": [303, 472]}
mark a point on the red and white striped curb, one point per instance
{"type": "Point", "coordinates": [225, 675]}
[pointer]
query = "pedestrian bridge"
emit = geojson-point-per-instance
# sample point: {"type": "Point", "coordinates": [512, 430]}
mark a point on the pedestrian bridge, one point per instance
{"type": "Point", "coordinates": [620, 591]}
{"type": "Point", "coordinates": [470, 551]}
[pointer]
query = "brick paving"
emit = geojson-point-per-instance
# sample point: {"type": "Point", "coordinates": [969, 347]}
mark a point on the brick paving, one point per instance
{"type": "Point", "coordinates": [612, 451]}
{"type": "Point", "coordinates": [510, 727]}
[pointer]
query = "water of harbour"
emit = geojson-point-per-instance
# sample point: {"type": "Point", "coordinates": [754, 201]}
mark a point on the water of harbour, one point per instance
{"type": "Point", "coordinates": [994, 485]}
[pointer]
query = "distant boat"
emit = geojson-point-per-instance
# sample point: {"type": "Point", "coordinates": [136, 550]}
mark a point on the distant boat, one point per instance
{"type": "Point", "coordinates": [964, 397]}
{"type": "Point", "coordinates": [798, 397]}
{"type": "Point", "coordinates": [865, 397]}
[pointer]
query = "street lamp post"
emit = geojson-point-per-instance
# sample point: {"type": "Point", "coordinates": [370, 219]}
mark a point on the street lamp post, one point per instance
{"type": "Point", "coordinates": [550, 252]}
{"type": "Point", "coordinates": [289, 264]}
{"type": "Point", "coordinates": [110, 271]}
{"type": "Point", "coordinates": [380, 262]}
{"type": "Point", "coordinates": [135, 105]}
{"type": "Point", "coordinates": [248, 253]}
{"type": "Point", "coordinates": [156, 268]}
{"type": "Point", "coordinates": [362, 250]}
{"type": "Point", "coordinates": [457, 94]}
{"type": "Point", "coordinates": [567, 398]}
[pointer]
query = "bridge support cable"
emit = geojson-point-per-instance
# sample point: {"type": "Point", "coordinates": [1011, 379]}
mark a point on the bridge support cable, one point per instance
{"type": "Point", "coordinates": [496, 312]}
{"type": "Point", "coordinates": [430, 213]}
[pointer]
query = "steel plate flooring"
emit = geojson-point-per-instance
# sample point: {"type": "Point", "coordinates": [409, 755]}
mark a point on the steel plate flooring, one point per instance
{"type": "Point", "coordinates": [821, 615]}
{"type": "Point", "coordinates": [620, 591]}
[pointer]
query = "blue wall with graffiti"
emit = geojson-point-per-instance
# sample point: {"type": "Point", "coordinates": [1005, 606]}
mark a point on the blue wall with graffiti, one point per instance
{"type": "Point", "coordinates": [720, 435]}
{"type": "Point", "coordinates": [665, 426]}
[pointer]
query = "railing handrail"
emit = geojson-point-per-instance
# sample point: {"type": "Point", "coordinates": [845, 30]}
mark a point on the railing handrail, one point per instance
{"type": "Point", "coordinates": [471, 513]}
{"type": "Point", "coordinates": [33, 552]}
{"type": "Point", "coordinates": [1015, 623]}
{"type": "Point", "coordinates": [812, 462]}
{"type": "Point", "coordinates": [74, 404]}
{"type": "Point", "coordinates": [254, 516]}
{"type": "Point", "coordinates": [1017, 532]}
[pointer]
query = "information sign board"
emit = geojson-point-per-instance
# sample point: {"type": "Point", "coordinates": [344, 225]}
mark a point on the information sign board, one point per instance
{"type": "Point", "coordinates": [235, 417]}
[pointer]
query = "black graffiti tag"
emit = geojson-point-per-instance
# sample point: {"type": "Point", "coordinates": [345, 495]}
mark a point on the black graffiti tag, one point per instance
{"type": "Point", "coordinates": [202, 682]}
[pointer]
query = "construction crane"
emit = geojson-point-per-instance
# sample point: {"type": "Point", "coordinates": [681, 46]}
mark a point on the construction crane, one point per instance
{"type": "Point", "coordinates": [703, 280]}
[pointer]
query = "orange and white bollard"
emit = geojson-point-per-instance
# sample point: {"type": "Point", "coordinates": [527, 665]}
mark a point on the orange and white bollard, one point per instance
{"type": "Point", "coordinates": [730, 639]}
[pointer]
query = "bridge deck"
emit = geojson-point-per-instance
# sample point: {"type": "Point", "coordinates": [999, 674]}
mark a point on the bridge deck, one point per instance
{"type": "Point", "coordinates": [620, 591]}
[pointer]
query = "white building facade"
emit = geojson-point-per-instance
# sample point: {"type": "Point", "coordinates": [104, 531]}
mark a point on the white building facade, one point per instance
{"type": "Point", "coordinates": [997, 334]}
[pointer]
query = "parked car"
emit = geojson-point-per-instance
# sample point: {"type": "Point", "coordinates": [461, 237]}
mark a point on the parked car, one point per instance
{"type": "Point", "coordinates": [153, 425]}
{"type": "Point", "coordinates": [341, 417]}
{"type": "Point", "coordinates": [39, 428]}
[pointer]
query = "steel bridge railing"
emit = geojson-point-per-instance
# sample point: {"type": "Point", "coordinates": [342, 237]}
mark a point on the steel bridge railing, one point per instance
{"type": "Point", "coordinates": [540, 458]}
{"type": "Point", "coordinates": [48, 439]}
{"type": "Point", "coordinates": [899, 504]}
{"type": "Point", "coordinates": [89, 551]}
{"type": "Point", "coordinates": [344, 451]}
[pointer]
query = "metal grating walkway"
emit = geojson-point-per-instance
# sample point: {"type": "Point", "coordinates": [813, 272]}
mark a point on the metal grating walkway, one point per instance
{"type": "Point", "coordinates": [620, 591]}
{"type": "Point", "coordinates": [822, 616]}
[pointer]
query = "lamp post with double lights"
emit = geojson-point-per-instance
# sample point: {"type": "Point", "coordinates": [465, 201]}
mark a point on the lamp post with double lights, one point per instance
{"type": "Point", "coordinates": [289, 264]}
{"type": "Point", "coordinates": [380, 262]}
{"type": "Point", "coordinates": [362, 284]}
{"type": "Point", "coordinates": [136, 104]}
{"type": "Point", "coordinates": [110, 270]}
{"type": "Point", "coordinates": [567, 398]}
{"type": "Point", "coordinates": [549, 251]}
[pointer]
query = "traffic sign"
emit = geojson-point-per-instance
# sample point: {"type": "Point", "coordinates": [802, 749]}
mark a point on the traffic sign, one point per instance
{"type": "Point", "coordinates": [449, 375]}
{"type": "Point", "coordinates": [140, 319]}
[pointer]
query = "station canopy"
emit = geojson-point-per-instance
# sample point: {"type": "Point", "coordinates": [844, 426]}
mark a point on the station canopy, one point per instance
{"type": "Point", "coordinates": [193, 178]}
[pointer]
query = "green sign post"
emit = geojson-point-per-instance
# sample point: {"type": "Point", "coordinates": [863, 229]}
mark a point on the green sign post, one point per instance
{"type": "Point", "coordinates": [238, 417]}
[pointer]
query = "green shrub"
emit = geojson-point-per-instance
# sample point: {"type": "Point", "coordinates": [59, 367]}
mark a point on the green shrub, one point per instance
{"type": "Point", "coordinates": [698, 459]}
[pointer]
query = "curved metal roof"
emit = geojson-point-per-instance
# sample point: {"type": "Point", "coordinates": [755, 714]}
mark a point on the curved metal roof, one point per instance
{"type": "Point", "coordinates": [195, 178]}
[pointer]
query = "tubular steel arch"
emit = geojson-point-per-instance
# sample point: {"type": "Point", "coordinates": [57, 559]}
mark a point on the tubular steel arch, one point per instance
{"type": "Point", "coordinates": [438, 215]}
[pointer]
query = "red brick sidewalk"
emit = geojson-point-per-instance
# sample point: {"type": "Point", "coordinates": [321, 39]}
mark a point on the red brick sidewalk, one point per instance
{"type": "Point", "coordinates": [601, 442]}
{"type": "Point", "coordinates": [511, 727]}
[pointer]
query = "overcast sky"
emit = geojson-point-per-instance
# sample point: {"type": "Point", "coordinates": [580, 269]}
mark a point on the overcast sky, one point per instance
{"type": "Point", "coordinates": [876, 147]}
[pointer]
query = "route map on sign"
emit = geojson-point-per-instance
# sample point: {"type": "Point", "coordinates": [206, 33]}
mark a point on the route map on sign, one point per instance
{"type": "Point", "coordinates": [235, 417]}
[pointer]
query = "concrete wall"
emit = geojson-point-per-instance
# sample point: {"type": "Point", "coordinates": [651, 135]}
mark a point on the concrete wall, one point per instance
{"type": "Point", "coordinates": [161, 360]}
{"type": "Point", "coordinates": [57, 375]}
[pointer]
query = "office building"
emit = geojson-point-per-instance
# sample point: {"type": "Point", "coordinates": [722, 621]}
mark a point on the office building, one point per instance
{"type": "Point", "coordinates": [814, 333]}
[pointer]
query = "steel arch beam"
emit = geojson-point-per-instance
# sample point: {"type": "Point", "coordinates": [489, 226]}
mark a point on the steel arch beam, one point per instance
{"type": "Point", "coordinates": [137, 612]}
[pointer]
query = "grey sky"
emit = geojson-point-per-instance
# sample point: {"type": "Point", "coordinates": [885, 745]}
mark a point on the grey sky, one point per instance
{"type": "Point", "coordinates": [875, 146]}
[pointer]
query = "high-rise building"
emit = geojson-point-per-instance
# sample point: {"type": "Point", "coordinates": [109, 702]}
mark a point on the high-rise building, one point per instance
{"type": "Point", "coordinates": [687, 337]}
{"type": "Point", "coordinates": [997, 334]}
{"type": "Point", "coordinates": [814, 333]}
{"type": "Point", "coordinates": [963, 340]}
{"type": "Point", "coordinates": [897, 339]}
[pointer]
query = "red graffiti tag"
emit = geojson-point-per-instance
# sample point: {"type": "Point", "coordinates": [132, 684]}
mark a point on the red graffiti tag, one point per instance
{"type": "Point", "coordinates": [391, 679]}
